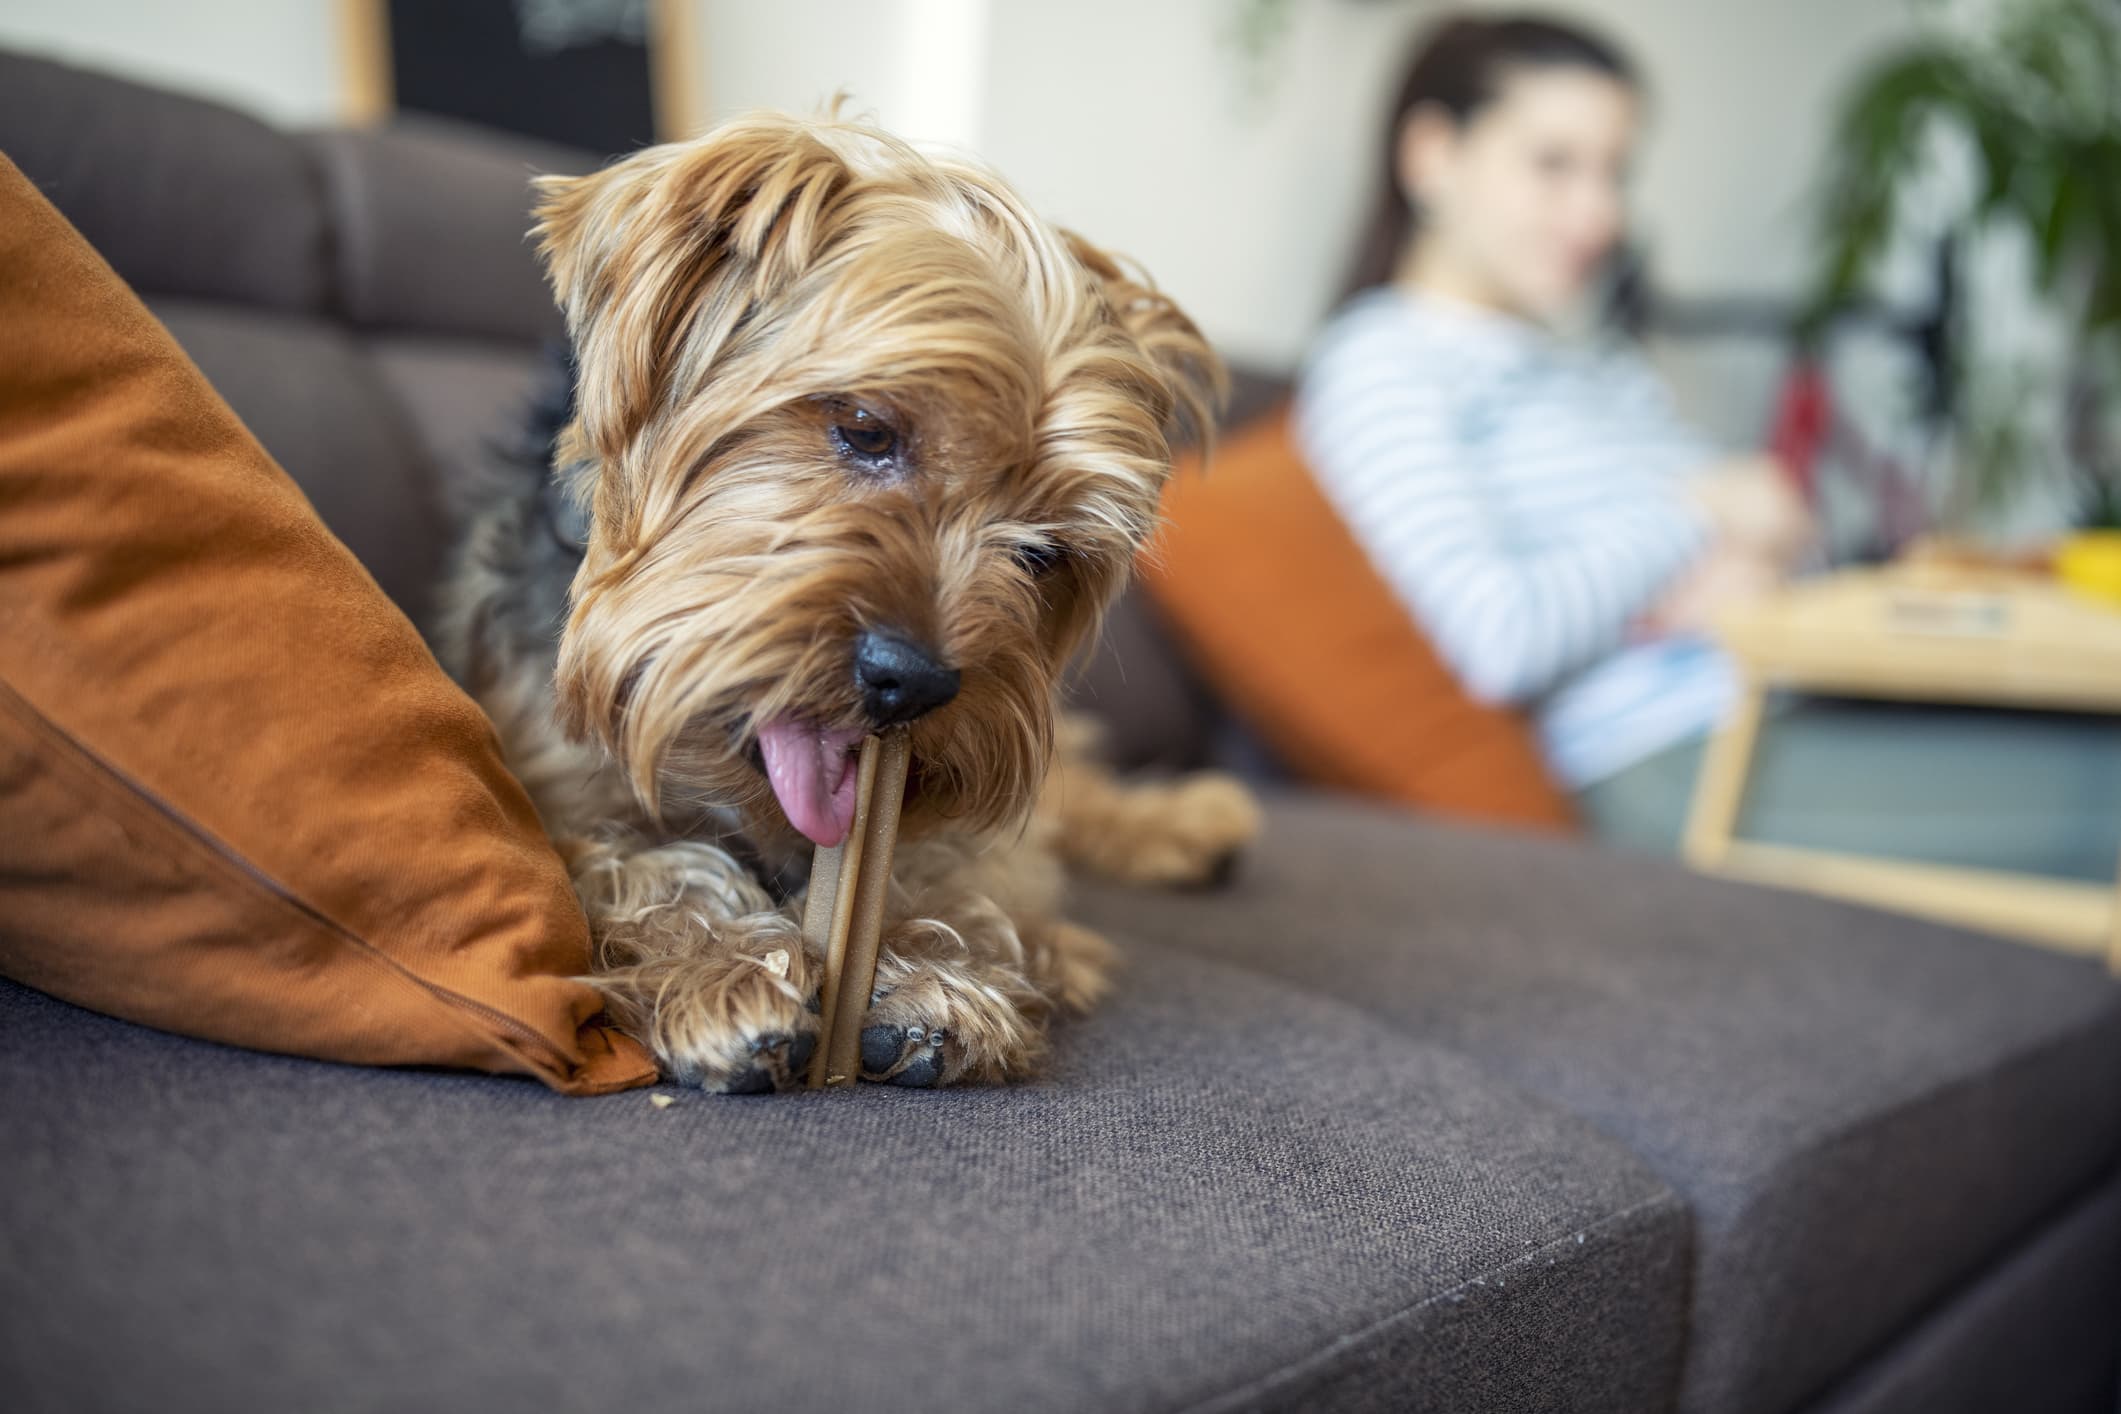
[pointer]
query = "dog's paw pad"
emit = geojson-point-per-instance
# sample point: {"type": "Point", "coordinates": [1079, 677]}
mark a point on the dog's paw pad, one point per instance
{"type": "Point", "coordinates": [922, 1073]}
{"type": "Point", "coordinates": [778, 1061]}
{"type": "Point", "coordinates": [903, 1055]}
{"type": "Point", "coordinates": [756, 1081]}
{"type": "Point", "coordinates": [800, 1050]}
{"type": "Point", "coordinates": [1223, 871]}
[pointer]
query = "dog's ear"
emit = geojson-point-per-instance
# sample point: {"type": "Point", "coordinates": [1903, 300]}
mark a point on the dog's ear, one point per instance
{"type": "Point", "coordinates": [657, 259]}
{"type": "Point", "coordinates": [1193, 376]}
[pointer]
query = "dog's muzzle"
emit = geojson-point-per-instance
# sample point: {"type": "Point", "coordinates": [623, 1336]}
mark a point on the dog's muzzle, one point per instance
{"type": "Point", "coordinates": [899, 680]}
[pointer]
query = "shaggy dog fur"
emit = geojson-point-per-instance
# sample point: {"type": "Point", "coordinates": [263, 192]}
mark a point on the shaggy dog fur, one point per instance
{"type": "Point", "coordinates": [854, 439]}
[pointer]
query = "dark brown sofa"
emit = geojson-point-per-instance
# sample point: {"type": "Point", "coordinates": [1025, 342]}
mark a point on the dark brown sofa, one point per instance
{"type": "Point", "coordinates": [1410, 1117]}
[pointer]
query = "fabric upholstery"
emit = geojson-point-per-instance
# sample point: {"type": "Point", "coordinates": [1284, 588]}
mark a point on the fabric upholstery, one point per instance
{"type": "Point", "coordinates": [433, 225]}
{"type": "Point", "coordinates": [335, 423]}
{"type": "Point", "coordinates": [467, 401]}
{"type": "Point", "coordinates": [185, 197]}
{"type": "Point", "coordinates": [1151, 710]}
{"type": "Point", "coordinates": [1273, 600]}
{"type": "Point", "coordinates": [1229, 1194]}
{"type": "Point", "coordinates": [2036, 1334]}
{"type": "Point", "coordinates": [1253, 395]}
{"type": "Point", "coordinates": [1221, 1196]}
{"type": "Point", "coordinates": [240, 797]}
{"type": "Point", "coordinates": [1862, 1110]}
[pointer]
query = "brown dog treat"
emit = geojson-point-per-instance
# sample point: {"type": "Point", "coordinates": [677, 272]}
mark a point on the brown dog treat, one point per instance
{"type": "Point", "coordinates": [844, 915]}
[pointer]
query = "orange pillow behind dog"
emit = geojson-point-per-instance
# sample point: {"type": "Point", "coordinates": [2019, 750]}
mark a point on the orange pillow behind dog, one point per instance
{"type": "Point", "coordinates": [238, 798]}
{"type": "Point", "coordinates": [1282, 612]}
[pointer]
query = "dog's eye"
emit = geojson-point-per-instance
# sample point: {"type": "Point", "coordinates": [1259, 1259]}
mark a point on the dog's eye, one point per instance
{"type": "Point", "coordinates": [863, 435]}
{"type": "Point", "coordinates": [1039, 558]}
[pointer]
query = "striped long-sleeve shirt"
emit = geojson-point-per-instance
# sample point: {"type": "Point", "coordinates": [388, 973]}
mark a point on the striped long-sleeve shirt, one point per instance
{"type": "Point", "coordinates": [1522, 498]}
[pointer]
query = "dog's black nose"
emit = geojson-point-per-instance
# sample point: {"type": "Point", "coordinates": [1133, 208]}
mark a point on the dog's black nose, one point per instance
{"type": "Point", "coordinates": [899, 680]}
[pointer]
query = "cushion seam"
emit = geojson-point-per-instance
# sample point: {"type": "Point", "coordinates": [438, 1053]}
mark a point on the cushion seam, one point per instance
{"type": "Point", "coordinates": [2045, 1047]}
{"type": "Point", "coordinates": [234, 865]}
{"type": "Point", "coordinates": [1853, 1374]}
{"type": "Point", "coordinates": [1240, 1395]}
{"type": "Point", "coordinates": [1768, 1181]}
{"type": "Point", "coordinates": [1776, 1179]}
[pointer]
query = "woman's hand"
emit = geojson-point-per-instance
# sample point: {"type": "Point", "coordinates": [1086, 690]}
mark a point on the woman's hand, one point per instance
{"type": "Point", "coordinates": [1753, 509]}
{"type": "Point", "coordinates": [1728, 577]}
{"type": "Point", "coordinates": [1761, 531]}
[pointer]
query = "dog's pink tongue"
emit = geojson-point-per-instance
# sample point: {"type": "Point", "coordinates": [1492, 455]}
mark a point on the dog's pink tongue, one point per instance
{"type": "Point", "coordinates": [812, 771]}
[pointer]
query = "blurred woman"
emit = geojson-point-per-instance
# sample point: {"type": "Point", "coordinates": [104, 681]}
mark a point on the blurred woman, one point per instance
{"type": "Point", "coordinates": [1532, 498]}
{"type": "Point", "coordinates": [1565, 540]}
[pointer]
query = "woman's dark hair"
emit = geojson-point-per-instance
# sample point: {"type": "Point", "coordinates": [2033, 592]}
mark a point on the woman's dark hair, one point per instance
{"type": "Point", "coordinates": [1459, 65]}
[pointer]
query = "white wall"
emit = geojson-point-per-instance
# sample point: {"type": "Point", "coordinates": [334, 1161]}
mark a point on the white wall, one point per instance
{"type": "Point", "coordinates": [1134, 120]}
{"type": "Point", "coordinates": [1136, 123]}
{"type": "Point", "coordinates": [1127, 119]}
{"type": "Point", "coordinates": [913, 64]}
{"type": "Point", "coordinates": [277, 58]}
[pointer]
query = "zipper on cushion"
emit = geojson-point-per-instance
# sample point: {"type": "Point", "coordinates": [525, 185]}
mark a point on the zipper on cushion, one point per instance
{"type": "Point", "coordinates": [24, 710]}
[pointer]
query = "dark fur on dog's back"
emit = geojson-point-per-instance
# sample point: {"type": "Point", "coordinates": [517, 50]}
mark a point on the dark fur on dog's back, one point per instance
{"type": "Point", "coordinates": [505, 605]}
{"type": "Point", "coordinates": [516, 492]}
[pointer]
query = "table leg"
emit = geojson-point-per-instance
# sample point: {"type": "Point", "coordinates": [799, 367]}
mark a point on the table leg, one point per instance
{"type": "Point", "coordinates": [2113, 925]}
{"type": "Point", "coordinates": [1720, 789]}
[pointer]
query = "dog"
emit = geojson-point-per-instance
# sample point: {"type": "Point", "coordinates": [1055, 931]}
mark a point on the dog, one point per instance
{"type": "Point", "coordinates": [852, 440]}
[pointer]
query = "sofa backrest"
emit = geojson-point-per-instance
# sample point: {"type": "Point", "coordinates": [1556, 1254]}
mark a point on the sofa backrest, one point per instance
{"type": "Point", "coordinates": [369, 304]}
{"type": "Point", "coordinates": [230, 230]}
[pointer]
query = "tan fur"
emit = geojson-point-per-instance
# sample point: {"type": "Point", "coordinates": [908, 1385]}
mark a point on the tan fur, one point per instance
{"type": "Point", "coordinates": [729, 299]}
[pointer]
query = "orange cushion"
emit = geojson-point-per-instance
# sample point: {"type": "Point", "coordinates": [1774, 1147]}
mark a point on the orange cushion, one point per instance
{"type": "Point", "coordinates": [1280, 609]}
{"type": "Point", "coordinates": [238, 798]}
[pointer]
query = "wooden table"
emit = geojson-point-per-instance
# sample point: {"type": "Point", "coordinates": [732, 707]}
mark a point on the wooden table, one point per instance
{"type": "Point", "coordinates": [1927, 634]}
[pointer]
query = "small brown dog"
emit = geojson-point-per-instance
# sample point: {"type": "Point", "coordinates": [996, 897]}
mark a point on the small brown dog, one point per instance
{"type": "Point", "coordinates": [855, 439]}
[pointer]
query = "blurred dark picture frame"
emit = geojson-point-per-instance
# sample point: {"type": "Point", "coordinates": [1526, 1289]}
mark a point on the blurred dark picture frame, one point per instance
{"type": "Point", "coordinates": [605, 76]}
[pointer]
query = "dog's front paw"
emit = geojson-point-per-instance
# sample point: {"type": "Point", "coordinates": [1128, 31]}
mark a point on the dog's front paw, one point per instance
{"type": "Point", "coordinates": [733, 1020]}
{"type": "Point", "coordinates": [950, 1022]}
{"type": "Point", "coordinates": [1191, 831]}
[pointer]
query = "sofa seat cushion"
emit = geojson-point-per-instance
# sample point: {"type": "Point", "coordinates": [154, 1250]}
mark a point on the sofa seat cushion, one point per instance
{"type": "Point", "coordinates": [2034, 1332]}
{"type": "Point", "coordinates": [1861, 1110]}
{"type": "Point", "coordinates": [1224, 1193]}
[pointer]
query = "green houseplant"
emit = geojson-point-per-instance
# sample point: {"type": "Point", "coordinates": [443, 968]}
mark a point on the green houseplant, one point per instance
{"type": "Point", "coordinates": [2034, 101]}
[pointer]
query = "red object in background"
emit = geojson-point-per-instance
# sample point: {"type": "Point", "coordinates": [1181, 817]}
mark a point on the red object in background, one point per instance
{"type": "Point", "coordinates": [1803, 418]}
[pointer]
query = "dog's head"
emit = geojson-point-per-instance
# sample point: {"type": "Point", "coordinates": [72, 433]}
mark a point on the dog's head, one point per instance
{"type": "Point", "coordinates": [864, 442]}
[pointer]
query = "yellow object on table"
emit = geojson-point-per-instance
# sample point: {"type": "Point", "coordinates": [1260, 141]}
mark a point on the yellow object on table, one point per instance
{"type": "Point", "coordinates": [1925, 633]}
{"type": "Point", "coordinates": [2090, 563]}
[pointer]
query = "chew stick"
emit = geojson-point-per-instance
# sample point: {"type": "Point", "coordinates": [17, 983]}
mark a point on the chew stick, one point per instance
{"type": "Point", "coordinates": [844, 914]}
